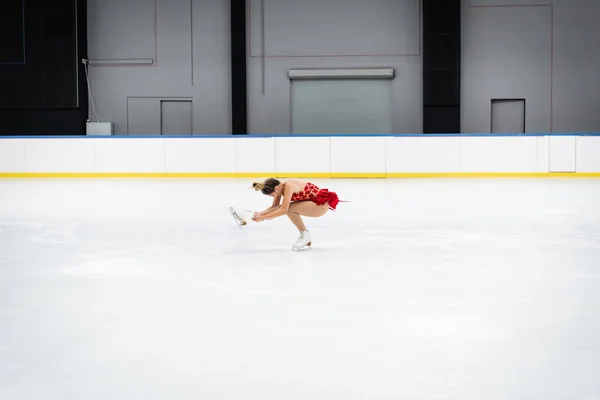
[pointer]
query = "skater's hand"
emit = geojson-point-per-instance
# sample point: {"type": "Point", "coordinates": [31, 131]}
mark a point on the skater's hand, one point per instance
{"type": "Point", "coordinates": [258, 218]}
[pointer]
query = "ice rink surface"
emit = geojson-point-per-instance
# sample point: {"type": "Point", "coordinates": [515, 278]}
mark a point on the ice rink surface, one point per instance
{"type": "Point", "coordinates": [455, 289]}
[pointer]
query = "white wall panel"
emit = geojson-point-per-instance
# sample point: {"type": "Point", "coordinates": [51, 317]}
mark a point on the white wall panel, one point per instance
{"type": "Point", "coordinates": [130, 155]}
{"type": "Point", "coordinates": [358, 154]}
{"type": "Point", "coordinates": [255, 155]}
{"type": "Point", "coordinates": [543, 158]}
{"type": "Point", "coordinates": [499, 154]}
{"type": "Point", "coordinates": [303, 154]}
{"type": "Point", "coordinates": [588, 154]}
{"type": "Point", "coordinates": [563, 153]}
{"type": "Point", "coordinates": [60, 155]}
{"type": "Point", "coordinates": [201, 155]}
{"type": "Point", "coordinates": [297, 155]}
{"type": "Point", "coordinates": [13, 155]}
{"type": "Point", "coordinates": [423, 154]}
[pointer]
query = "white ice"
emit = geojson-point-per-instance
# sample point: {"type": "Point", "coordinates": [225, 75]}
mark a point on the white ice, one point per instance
{"type": "Point", "coordinates": [416, 289]}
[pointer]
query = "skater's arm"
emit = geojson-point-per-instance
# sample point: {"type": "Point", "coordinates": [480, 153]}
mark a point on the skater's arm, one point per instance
{"type": "Point", "coordinates": [285, 204]}
{"type": "Point", "coordinates": [276, 202]}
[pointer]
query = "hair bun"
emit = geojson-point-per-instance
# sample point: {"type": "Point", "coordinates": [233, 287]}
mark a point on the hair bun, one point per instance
{"type": "Point", "coordinates": [258, 186]}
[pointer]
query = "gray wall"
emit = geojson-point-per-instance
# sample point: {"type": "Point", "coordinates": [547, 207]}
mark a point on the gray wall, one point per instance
{"type": "Point", "coordinates": [549, 55]}
{"type": "Point", "coordinates": [332, 34]}
{"type": "Point", "coordinates": [192, 62]}
{"type": "Point", "coordinates": [307, 33]}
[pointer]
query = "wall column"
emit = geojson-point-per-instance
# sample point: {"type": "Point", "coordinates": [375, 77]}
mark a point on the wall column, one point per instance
{"type": "Point", "coordinates": [239, 91]}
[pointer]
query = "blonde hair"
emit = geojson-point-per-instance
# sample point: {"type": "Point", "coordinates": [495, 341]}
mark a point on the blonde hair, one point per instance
{"type": "Point", "coordinates": [266, 187]}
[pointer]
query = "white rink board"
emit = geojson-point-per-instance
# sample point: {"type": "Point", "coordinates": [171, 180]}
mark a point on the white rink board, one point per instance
{"type": "Point", "coordinates": [426, 154]}
{"type": "Point", "coordinates": [499, 154]}
{"type": "Point", "coordinates": [358, 154]}
{"type": "Point", "coordinates": [543, 156]}
{"type": "Point", "coordinates": [207, 155]}
{"type": "Point", "coordinates": [588, 154]}
{"type": "Point", "coordinates": [323, 156]}
{"type": "Point", "coordinates": [255, 155]}
{"type": "Point", "coordinates": [563, 153]}
{"type": "Point", "coordinates": [299, 154]}
{"type": "Point", "coordinates": [130, 155]}
{"type": "Point", "coordinates": [13, 155]}
{"type": "Point", "coordinates": [60, 155]}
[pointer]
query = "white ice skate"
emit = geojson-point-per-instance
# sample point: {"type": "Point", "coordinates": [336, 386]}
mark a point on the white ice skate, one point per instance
{"type": "Point", "coordinates": [304, 242]}
{"type": "Point", "coordinates": [241, 217]}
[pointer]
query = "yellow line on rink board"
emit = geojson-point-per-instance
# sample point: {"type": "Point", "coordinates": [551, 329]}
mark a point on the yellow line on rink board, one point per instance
{"type": "Point", "coordinates": [495, 175]}
{"type": "Point", "coordinates": [313, 175]}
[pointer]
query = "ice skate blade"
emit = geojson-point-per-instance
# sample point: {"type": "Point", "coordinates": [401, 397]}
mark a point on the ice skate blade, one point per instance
{"type": "Point", "coordinates": [305, 248]}
{"type": "Point", "coordinates": [238, 220]}
{"type": "Point", "coordinates": [302, 249]}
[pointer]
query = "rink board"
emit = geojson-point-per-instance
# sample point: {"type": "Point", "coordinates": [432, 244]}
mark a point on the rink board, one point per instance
{"type": "Point", "coordinates": [309, 156]}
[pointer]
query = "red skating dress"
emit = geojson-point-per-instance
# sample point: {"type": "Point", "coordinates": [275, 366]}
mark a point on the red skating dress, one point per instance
{"type": "Point", "coordinates": [318, 196]}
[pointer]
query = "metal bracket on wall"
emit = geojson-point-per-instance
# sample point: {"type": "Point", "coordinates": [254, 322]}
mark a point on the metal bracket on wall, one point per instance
{"type": "Point", "coordinates": [122, 62]}
{"type": "Point", "coordinates": [342, 73]}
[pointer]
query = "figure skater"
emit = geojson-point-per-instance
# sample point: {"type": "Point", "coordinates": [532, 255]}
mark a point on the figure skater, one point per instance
{"type": "Point", "coordinates": [295, 198]}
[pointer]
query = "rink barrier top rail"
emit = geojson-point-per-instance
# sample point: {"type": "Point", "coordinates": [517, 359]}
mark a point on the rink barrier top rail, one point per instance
{"type": "Point", "coordinates": [253, 136]}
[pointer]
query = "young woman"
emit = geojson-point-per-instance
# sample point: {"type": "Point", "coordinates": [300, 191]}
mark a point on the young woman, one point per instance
{"type": "Point", "coordinates": [295, 198]}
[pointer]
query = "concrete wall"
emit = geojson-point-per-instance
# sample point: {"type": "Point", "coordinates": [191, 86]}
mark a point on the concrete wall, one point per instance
{"type": "Point", "coordinates": [544, 51]}
{"type": "Point", "coordinates": [187, 44]}
{"type": "Point", "coordinates": [285, 156]}
{"type": "Point", "coordinates": [286, 34]}
{"type": "Point", "coordinates": [290, 34]}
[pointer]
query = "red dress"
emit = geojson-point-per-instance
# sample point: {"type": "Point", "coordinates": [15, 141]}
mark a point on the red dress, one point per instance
{"type": "Point", "coordinates": [318, 196]}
